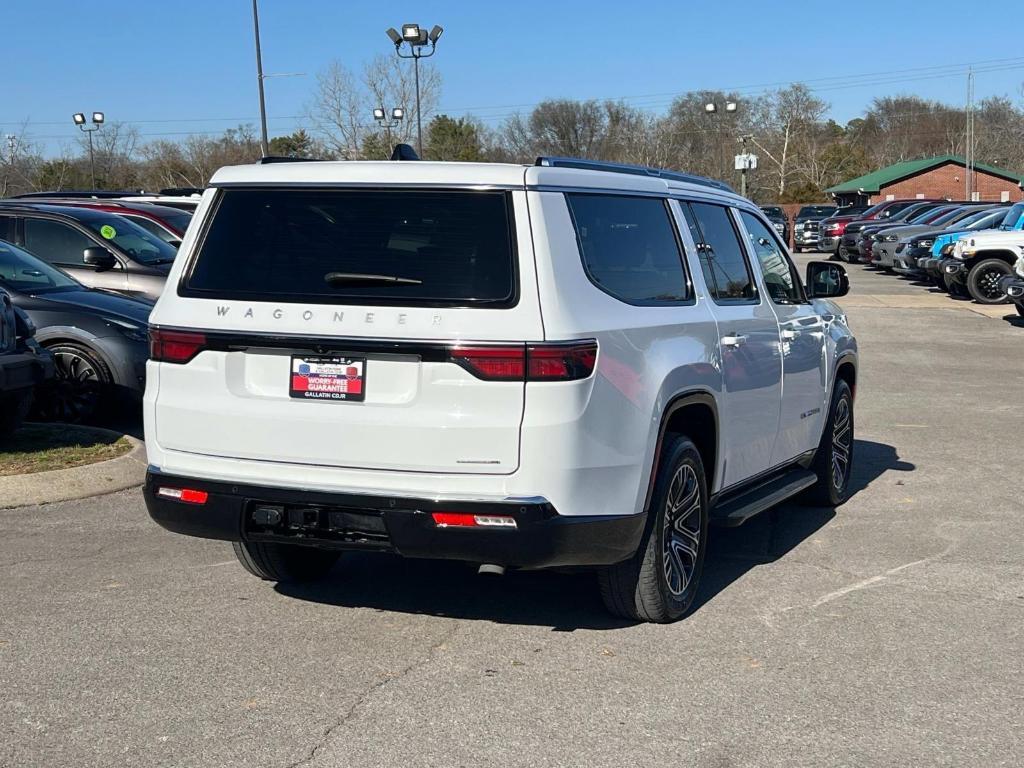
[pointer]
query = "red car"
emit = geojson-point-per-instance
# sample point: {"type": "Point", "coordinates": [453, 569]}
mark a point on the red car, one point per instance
{"type": "Point", "coordinates": [833, 227]}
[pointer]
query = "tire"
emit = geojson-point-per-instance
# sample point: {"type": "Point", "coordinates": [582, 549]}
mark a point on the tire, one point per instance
{"type": "Point", "coordinates": [13, 411]}
{"type": "Point", "coordinates": [1020, 309]}
{"type": "Point", "coordinates": [79, 390]}
{"type": "Point", "coordinates": [983, 281]}
{"type": "Point", "coordinates": [659, 583]}
{"type": "Point", "coordinates": [797, 249]}
{"type": "Point", "coordinates": [833, 461]}
{"type": "Point", "coordinates": [939, 282]}
{"type": "Point", "coordinates": [284, 562]}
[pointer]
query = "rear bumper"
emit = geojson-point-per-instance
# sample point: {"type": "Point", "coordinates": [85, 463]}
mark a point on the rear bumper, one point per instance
{"type": "Point", "coordinates": [23, 370]}
{"type": "Point", "coordinates": [541, 538]}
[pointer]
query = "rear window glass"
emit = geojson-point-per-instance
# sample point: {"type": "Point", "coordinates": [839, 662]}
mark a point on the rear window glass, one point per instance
{"type": "Point", "coordinates": [390, 247]}
{"type": "Point", "coordinates": [629, 247]}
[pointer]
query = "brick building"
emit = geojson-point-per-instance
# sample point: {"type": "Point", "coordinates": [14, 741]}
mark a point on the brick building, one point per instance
{"type": "Point", "coordinates": [930, 177]}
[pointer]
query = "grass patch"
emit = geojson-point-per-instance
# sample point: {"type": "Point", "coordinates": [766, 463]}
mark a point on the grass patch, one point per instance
{"type": "Point", "coordinates": [42, 447]}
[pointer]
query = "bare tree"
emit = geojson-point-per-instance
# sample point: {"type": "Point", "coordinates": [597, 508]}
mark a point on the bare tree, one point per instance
{"type": "Point", "coordinates": [780, 121]}
{"type": "Point", "coordinates": [341, 110]}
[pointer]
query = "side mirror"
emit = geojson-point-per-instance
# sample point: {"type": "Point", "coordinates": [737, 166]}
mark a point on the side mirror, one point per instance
{"type": "Point", "coordinates": [826, 280]}
{"type": "Point", "coordinates": [99, 257]}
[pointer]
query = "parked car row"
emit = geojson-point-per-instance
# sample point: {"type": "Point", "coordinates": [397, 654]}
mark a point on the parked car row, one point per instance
{"type": "Point", "coordinates": [968, 248]}
{"type": "Point", "coordinates": [806, 224]}
{"type": "Point", "coordinates": [81, 271]}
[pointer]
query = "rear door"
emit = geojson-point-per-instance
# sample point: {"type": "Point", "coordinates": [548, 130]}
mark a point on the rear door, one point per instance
{"type": "Point", "coordinates": [801, 344]}
{"type": "Point", "coordinates": [749, 341]}
{"type": "Point", "coordinates": [373, 329]}
{"type": "Point", "coordinates": [63, 245]}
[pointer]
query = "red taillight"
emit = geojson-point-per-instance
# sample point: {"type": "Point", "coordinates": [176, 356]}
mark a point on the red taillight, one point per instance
{"type": "Point", "coordinates": [536, 362]}
{"type": "Point", "coordinates": [492, 363]}
{"type": "Point", "coordinates": [561, 362]}
{"type": "Point", "coordinates": [472, 520]}
{"type": "Point", "coordinates": [175, 346]}
{"type": "Point", "coordinates": [187, 495]}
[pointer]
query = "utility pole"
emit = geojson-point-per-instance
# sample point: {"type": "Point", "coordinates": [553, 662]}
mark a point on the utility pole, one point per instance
{"type": "Point", "coordinates": [743, 170]}
{"type": "Point", "coordinates": [969, 150]}
{"type": "Point", "coordinates": [264, 144]}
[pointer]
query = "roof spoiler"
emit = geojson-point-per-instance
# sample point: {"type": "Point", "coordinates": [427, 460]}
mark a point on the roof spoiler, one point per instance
{"type": "Point", "coordinates": [404, 152]}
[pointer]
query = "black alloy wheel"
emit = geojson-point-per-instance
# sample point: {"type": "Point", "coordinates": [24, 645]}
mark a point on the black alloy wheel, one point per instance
{"type": "Point", "coordinates": [833, 461]}
{"type": "Point", "coordinates": [660, 581]}
{"type": "Point", "coordinates": [76, 393]}
{"type": "Point", "coordinates": [983, 281]}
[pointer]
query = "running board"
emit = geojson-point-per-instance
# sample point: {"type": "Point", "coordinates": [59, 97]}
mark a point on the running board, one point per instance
{"type": "Point", "coordinates": [738, 510]}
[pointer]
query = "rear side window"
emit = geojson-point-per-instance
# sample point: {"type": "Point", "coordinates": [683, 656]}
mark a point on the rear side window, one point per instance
{"type": "Point", "coordinates": [56, 242]}
{"type": "Point", "coordinates": [629, 247]}
{"type": "Point", "coordinates": [338, 246]}
{"type": "Point", "coordinates": [722, 260]}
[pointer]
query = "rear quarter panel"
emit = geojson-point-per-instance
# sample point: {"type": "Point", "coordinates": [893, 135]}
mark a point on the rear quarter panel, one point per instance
{"type": "Point", "coordinates": [596, 447]}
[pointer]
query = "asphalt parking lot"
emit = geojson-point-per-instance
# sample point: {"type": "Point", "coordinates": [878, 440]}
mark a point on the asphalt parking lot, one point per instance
{"type": "Point", "coordinates": [886, 633]}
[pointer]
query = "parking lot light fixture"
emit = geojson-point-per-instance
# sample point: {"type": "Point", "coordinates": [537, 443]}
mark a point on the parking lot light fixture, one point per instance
{"type": "Point", "coordinates": [97, 123]}
{"type": "Point", "coordinates": [710, 107]}
{"type": "Point", "coordinates": [730, 106]}
{"type": "Point", "coordinates": [381, 116]}
{"type": "Point", "coordinates": [421, 45]}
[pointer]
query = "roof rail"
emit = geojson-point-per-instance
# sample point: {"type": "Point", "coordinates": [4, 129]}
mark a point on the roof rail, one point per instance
{"type": "Point", "coordinates": [77, 193]}
{"type": "Point", "coordinates": [636, 170]}
{"type": "Point", "coordinates": [268, 159]}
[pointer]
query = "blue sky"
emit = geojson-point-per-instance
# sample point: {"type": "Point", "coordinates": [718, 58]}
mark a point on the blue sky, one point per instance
{"type": "Point", "coordinates": [175, 66]}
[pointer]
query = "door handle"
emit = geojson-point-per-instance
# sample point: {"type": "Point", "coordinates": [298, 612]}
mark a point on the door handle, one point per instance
{"type": "Point", "coordinates": [734, 340]}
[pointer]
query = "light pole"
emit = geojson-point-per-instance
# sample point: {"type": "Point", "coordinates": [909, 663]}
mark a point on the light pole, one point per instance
{"type": "Point", "coordinates": [97, 121]}
{"type": "Point", "coordinates": [417, 39]}
{"type": "Point", "coordinates": [397, 115]}
{"type": "Point", "coordinates": [743, 161]}
{"type": "Point", "coordinates": [264, 144]}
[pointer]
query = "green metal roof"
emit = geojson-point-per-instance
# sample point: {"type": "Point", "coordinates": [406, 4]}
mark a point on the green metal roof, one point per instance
{"type": "Point", "coordinates": [874, 181]}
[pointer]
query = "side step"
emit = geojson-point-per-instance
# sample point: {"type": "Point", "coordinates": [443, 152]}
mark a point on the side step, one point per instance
{"type": "Point", "coordinates": [737, 510]}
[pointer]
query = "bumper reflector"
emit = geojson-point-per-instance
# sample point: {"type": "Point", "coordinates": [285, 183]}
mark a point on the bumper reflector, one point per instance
{"type": "Point", "coordinates": [187, 495]}
{"type": "Point", "coordinates": [470, 520]}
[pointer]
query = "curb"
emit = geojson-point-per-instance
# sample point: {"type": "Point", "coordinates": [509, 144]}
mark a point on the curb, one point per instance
{"type": "Point", "coordinates": [103, 477]}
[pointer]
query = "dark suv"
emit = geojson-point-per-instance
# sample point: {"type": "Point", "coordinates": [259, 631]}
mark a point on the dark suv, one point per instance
{"type": "Point", "coordinates": [805, 226]}
{"type": "Point", "coordinates": [780, 222]}
{"type": "Point", "coordinates": [23, 365]}
{"type": "Point", "coordinates": [98, 248]}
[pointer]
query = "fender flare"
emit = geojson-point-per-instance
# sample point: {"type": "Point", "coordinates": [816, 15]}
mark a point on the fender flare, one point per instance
{"type": "Point", "coordinates": [679, 401]}
{"type": "Point", "coordinates": [1003, 254]}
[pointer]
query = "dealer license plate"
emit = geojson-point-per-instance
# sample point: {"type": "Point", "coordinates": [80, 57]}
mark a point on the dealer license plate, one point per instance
{"type": "Point", "coordinates": [328, 378]}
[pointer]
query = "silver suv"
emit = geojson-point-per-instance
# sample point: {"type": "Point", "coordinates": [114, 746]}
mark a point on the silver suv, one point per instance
{"type": "Point", "coordinates": [557, 365]}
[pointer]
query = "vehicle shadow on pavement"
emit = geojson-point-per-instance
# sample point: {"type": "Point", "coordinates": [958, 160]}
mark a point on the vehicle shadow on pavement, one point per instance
{"type": "Point", "coordinates": [562, 601]}
{"type": "Point", "coordinates": [770, 536]}
{"type": "Point", "coordinates": [568, 601]}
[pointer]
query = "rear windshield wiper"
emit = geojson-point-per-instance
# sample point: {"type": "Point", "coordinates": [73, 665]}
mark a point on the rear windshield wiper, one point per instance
{"type": "Point", "coordinates": [361, 278]}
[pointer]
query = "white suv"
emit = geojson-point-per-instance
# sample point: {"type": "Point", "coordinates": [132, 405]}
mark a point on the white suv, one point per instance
{"type": "Point", "coordinates": [559, 365]}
